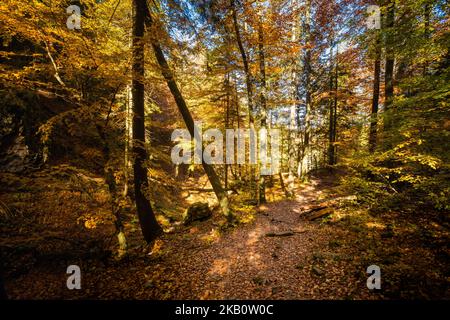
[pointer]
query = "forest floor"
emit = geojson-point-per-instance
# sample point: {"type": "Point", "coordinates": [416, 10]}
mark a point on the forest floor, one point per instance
{"type": "Point", "coordinates": [324, 259]}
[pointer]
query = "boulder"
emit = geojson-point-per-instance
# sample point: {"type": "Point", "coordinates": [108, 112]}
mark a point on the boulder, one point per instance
{"type": "Point", "coordinates": [198, 211]}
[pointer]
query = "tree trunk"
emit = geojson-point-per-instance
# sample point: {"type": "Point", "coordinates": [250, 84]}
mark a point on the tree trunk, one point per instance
{"type": "Point", "coordinates": [302, 169]}
{"type": "Point", "coordinates": [188, 120]}
{"type": "Point", "coordinates": [111, 182]}
{"type": "Point", "coordinates": [331, 112]}
{"type": "Point", "coordinates": [150, 227]}
{"type": "Point", "coordinates": [128, 143]}
{"type": "Point", "coordinates": [238, 115]}
{"type": "Point", "coordinates": [227, 121]}
{"type": "Point", "coordinates": [294, 114]}
{"type": "Point", "coordinates": [427, 31]}
{"type": "Point", "coordinates": [375, 96]}
{"type": "Point", "coordinates": [287, 193]}
{"type": "Point", "coordinates": [116, 209]}
{"type": "Point", "coordinates": [248, 76]}
{"type": "Point", "coordinates": [262, 70]}
{"type": "Point", "coordinates": [249, 84]}
{"type": "Point", "coordinates": [389, 72]}
{"type": "Point", "coordinates": [335, 105]}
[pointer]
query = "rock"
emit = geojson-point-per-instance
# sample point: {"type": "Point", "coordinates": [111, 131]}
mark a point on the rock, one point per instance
{"type": "Point", "coordinates": [258, 281]}
{"type": "Point", "coordinates": [280, 234]}
{"type": "Point", "coordinates": [276, 290]}
{"type": "Point", "coordinates": [299, 266]}
{"type": "Point", "coordinates": [317, 271]}
{"type": "Point", "coordinates": [198, 211]}
{"type": "Point", "coordinates": [320, 214]}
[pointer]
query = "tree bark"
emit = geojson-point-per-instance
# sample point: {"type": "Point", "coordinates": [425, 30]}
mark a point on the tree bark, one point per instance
{"type": "Point", "coordinates": [150, 227]}
{"type": "Point", "coordinates": [227, 121]}
{"type": "Point", "coordinates": [248, 76]}
{"type": "Point", "coordinates": [248, 81]}
{"type": "Point", "coordinates": [375, 96]}
{"type": "Point", "coordinates": [111, 182]}
{"type": "Point", "coordinates": [128, 142]}
{"type": "Point", "coordinates": [390, 60]}
{"type": "Point", "coordinates": [287, 192]}
{"type": "Point", "coordinates": [294, 125]}
{"type": "Point", "coordinates": [331, 113]}
{"type": "Point", "coordinates": [262, 70]}
{"type": "Point", "coordinates": [302, 169]}
{"type": "Point", "coordinates": [219, 191]}
{"type": "Point", "coordinates": [335, 105]}
{"type": "Point", "coordinates": [427, 31]}
{"type": "Point", "coordinates": [238, 115]}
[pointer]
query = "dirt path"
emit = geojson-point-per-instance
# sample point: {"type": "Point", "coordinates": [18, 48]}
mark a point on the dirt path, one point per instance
{"type": "Point", "coordinates": [246, 264]}
{"type": "Point", "coordinates": [324, 259]}
{"type": "Point", "coordinates": [199, 262]}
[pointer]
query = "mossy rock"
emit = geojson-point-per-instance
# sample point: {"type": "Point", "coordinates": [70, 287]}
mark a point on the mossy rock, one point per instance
{"type": "Point", "coordinates": [198, 211]}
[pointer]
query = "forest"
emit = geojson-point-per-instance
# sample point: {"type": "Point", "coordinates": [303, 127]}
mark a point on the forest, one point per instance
{"type": "Point", "coordinates": [225, 149]}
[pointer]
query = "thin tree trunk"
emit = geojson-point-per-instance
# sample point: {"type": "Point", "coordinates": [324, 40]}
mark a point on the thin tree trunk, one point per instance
{"type": "Point", "coordinates": [307, 67]}
{"type": "Point", "coordinates": [248, 80]}
{"type": "Point", "coordinates": [188, 120]}
{"type": "Point", "coordinates": [427, 31]}
{"type": "Point", "coordinates": [291, 143]}
{"type": "Point", "coordinates": [111, 182]}
{"type": "Point", "coordinates": [331, 113]}
{"type": "Point", "coordinates": [375, 97]}
{"type": "Point", "coordinates": [262, 69]}
{"type": "Point", "coordinates": [128, 130]}
{"type": "Point", "coordinates": [390, 60]}
{"type": "Point", "coordinates": [128, 139]}
{"type": "Point", "coordinates": [335, 105]}
{"type": "Point", "coordinates": [150, 227]}
{"type": "Point", "coordinates": [287, 192]}
{"type": "Point", "coordinates": [293, 129]}
{"type": "Point", "coordinates": [238, 115]}
{"type": "Point", "coordinates": [248, 77]}
{"type": "Point", "coordinates": [227, 121]}
{"type": "Point", "coordinates": [116, 209]}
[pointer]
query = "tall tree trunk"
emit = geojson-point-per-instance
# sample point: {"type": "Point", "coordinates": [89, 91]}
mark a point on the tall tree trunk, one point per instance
{"type": "Point", "coordinates": [150, 227]}
{"type": "Point", "coordinates": [262, 70]}
{"type": "Point", "coordinates": [128, 141]}
{"type": "Point", "coordinates": [390, 60]}
{"type": "Point", "coordinates": [335, 105]}
{"type": "Point", "coordinates": [287, 193]}
{"type": "Point", "coordinates": [333, 117]}
{"type": "Point", "coordinates": [117, 211]}
{"type": "Point", "coordinates": [248, 76]}
{"type": "Point", "coordinates": [295, 105]}
{"type": "Point", "coordinates": [111, 182]}
{"type": "Point", "coordinates": [307, 69]}
{"type": "Point", "coordinates": [128, 129]}
{"type": "Point", "coordinates": [227, 121]}
{"type": "Point", "coordinates": [375, 96]}
{"type": "Point", "coordinates": [238, 115]}
{"type": "Point", "coordinates": [249, 84]}
{"type": "Point", "coordinates": [331, 112]}
{"type": "Point", "coordinates": [427, 31]}
{"type": "Point", "coordinates": [219, 191]}
{"type": "Point", "coordinates": [291, 143]}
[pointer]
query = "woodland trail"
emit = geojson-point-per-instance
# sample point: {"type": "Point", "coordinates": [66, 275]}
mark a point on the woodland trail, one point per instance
{"type": "Point", "coordinates": [198, 261]}
{"type": "Point", "coordinates": [247, 264]}
{"type": "Point", "coordinates": [323, 259]}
